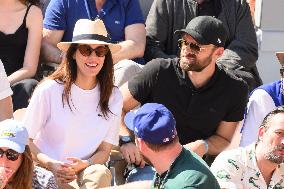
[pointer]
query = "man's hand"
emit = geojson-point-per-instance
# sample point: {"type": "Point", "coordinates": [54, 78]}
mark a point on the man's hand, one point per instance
{"type": "Point", "coordinates": [77, 164]}
{"type": "Point", "coordinates": [131, 154]}
{"type": "Point", "coordinates": [197, 146]}
{"type": "Point", "coordinates": [63, 172]}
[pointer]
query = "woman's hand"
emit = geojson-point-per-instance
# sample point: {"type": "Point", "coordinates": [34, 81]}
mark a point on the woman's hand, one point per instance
{"type": "Point", "coordinates": [62, 171]}
{"type": "Point", "coordinates": [77, 164]}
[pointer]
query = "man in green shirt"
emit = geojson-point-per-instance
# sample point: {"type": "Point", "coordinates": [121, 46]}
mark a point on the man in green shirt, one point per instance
{"type": "Point", "coordinates": [156, 137]}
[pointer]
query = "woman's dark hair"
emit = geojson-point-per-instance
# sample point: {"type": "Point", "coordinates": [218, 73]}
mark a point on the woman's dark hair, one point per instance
{"type": "Point", "coordinates": [33, 2]}
{"type": "Point", "coordinates": [67, 74]}
{"type": "Point", "coordinates": [24, 175]}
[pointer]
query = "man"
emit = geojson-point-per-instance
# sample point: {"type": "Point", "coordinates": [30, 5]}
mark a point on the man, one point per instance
{"type": "Point", "coordinates": [241, 50]}
{"type": "Point", "coordinates": [123, 19]}
{"type": "Point", "coordinates": [206, 101]}
{"type": "Point", "coordinates": [6, 105]}
{"type": "Point", "coordinates": [156, 137]}
{"type": "Point", "coordinates": [259, 165]}
{"type": "Point", "coordinates": [262, 100]}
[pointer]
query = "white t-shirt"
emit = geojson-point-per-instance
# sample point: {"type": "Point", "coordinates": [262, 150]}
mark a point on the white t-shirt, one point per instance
{"type": "Point", "coordinates": [259, 105]}
{"type": "Point", "coordinates": [59, 132]}
{"type": "Point", "coordinates": [5, 89]}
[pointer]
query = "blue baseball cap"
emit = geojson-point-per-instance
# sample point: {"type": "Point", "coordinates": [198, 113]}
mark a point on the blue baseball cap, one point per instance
{"type": "Point", "coordinates": [153, 123]}
{"type": "Point", "coordinates": [13, 135]}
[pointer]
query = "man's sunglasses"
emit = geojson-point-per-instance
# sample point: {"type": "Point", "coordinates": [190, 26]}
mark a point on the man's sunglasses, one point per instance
{"type": "Point", "coordinates": [10, 154]}
{"type": "Point", "coordinates": [195, 48]}
{"type": "Point", "coordinates": [86, 50]}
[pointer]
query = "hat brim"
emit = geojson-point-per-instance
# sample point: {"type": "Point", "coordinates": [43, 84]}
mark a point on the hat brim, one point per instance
{"type": "Point", "coordinates": [64, 46]}
{"type": "Point", "coordinates": [6, 143]}
{"type": "Point", "coordinates": [195, 35]}
{"type": "Point", "coordinates": [129, 120]}
{"type": "Point", "coordinates": [280, 56]}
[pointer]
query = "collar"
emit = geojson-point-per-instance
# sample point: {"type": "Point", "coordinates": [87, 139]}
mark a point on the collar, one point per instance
{"type": "Point", "coordinates": [209, 84]}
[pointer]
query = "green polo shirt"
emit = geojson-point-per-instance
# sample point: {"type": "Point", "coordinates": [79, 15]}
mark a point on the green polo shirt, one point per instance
{"type": "Point", "coordinates": [187, 171]}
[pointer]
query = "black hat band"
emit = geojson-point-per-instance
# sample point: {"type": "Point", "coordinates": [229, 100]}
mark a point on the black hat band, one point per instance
{"type": "Point", "coordinates": [90, 37]}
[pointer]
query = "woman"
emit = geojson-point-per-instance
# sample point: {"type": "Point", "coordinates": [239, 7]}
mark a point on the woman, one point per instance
{"type": "Point", "coordinates": [6, 106]}
{"type": "Point", "coordinates": [16, 160]}
{"type": "Point", "coordinates": [20, 40]}
{"type": "Point", "coordinates": [73, 117]}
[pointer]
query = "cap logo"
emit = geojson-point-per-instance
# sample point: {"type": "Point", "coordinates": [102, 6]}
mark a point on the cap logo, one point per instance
{"type": "Point", "coordinates": [166, 139]}
{"type": "Point", "coordinates": [219, 40]}
{"type": "Point", "coordinates": [8, 134]}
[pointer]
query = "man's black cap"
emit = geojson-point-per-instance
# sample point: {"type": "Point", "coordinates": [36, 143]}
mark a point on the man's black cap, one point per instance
{"type": "Point", "coordinates": [206, 30]}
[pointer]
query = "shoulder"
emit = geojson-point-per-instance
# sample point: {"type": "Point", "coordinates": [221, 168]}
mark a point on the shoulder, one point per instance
{"type": "Point", "coordinates": [49, 85]}
{"type": "Point", "coordinates": [116, 95]}
{"type": "Point", "coordinates": [232, 81]}
{"type": "Point", "coordinates": [43, 178]}
{"type": "Point", "coordinates": [226, 158]}
{"type": "Point", "coordinates": [161, 63]}
{"type": "Point", "coordinates": [34, 16]}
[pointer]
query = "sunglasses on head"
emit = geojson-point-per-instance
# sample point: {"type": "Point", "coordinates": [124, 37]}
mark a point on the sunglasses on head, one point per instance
{"type": "Point", "coordinates": [11, 155]}
{"type": "Point", "coordinates": [86, 50]}
{"type": "Point", "coordinates": [193, 46]}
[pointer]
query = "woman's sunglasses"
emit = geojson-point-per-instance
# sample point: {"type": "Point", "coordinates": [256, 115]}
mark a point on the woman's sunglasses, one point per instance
{"type": "Point", "coordinates": [10, 154]}
{"type": "Point", "coordinates": [86, 50]}
{"type": "Point", "coordinates": [193, 46]}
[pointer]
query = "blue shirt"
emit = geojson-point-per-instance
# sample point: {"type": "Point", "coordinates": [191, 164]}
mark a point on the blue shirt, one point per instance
{"type": "Point", "coordinates": [116, 14]}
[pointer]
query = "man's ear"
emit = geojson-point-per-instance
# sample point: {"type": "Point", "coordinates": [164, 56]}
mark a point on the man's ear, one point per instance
{"type": "Point", "coordinates": [261, 132]}
{"type": "Point", "coordinates": [219, 51]}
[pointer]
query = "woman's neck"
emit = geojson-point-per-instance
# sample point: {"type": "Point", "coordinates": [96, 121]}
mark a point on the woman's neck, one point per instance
{"type": "Point", "coordinates": [100, 4]}
{"type": "Point", "coordinates": [86, 83]}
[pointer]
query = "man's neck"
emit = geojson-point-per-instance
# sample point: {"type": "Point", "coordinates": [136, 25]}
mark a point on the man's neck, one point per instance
{"type": "Point", "coordinates": [265, 166]}
{"type": "Point", "coordinates": [163, 160]}
{"type": "Point", "coordinates": [199, 79]}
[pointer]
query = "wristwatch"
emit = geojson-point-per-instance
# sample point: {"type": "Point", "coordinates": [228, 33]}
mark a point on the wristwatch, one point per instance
{"type": "Point", "coordinates": [124, 140]}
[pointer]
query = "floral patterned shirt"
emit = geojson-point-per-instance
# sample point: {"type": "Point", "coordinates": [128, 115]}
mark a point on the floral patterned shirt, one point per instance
{"type": "Point", "coordinates": [43, 179]}
{"type": "Point", "coordinates": [237, 169]}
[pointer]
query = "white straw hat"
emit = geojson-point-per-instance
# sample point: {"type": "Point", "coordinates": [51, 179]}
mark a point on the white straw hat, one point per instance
{"type": "Point", "coordinates": [280, 56]}
{"type": "Point", "coordinates": [90, 32]}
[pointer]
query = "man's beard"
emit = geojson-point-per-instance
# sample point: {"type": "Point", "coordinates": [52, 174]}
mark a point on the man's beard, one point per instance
{"type": "Point", "coordinates": [275, 158]}
{"type": "Point", "coordinates": [195, 66]}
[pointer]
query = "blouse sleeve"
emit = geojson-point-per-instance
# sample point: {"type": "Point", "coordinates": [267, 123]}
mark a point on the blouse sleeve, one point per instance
{"type": "Point", "coordinates": [38, 110]}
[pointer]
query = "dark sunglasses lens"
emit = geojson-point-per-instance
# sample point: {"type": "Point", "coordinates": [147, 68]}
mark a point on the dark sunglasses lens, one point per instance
{"type": "Point", "coordinates": [85, 50]}
{"type": "Point", "coordinates": [12, 155]}
{"type": "Point", "coordinates": [1, 152]}
{"type": "Point", "coordinates": [180, 43]}
{"type": "Point", "coordinates": [101, 51]}
{"type": "Point", "coordinates": [194, 47]}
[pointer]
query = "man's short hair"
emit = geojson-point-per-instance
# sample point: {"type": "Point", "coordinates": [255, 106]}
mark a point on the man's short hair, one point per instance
{"type": "Point", "coordinates": [267, 120]}
{"type": "Point", "coordinates": [161, 147]}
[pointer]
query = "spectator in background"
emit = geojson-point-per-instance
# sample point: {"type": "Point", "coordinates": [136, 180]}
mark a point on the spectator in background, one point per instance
{"type": "Point", "coordinates": [16, 160]}
{"type": "Point", "coordinates": [259, 165]}
{"type": "Point", "coordinates": [20, 39]}
{"type": "Point", "coordinates": [262, 100]}
{"type": "Point", "coordinates": [156, 138]}
{"type": "Point", "coordinates": [6, 105]}
{"type": "Point", "coordinates": [241, 50]}
{"type": "Point", "coordinates": [74, 115]}
{"type": "Point", "coordinates": [124, 22]}
{"type": "Point", "coordinates": [206, 101]}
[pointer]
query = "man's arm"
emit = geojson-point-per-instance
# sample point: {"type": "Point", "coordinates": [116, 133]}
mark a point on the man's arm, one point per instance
{"type": "Point", "coordinates": [134, 44]}
{"type": "Point", "coordinates": [217, 142]}
{"type": "Point", "coordinates": [49, 50]}
{"type": "Point", "coordinates": [129, 151]}
{"type": "Point", "coordinates": [243, 49]}
{"type": "Point", "coordinates": [6, 108]}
